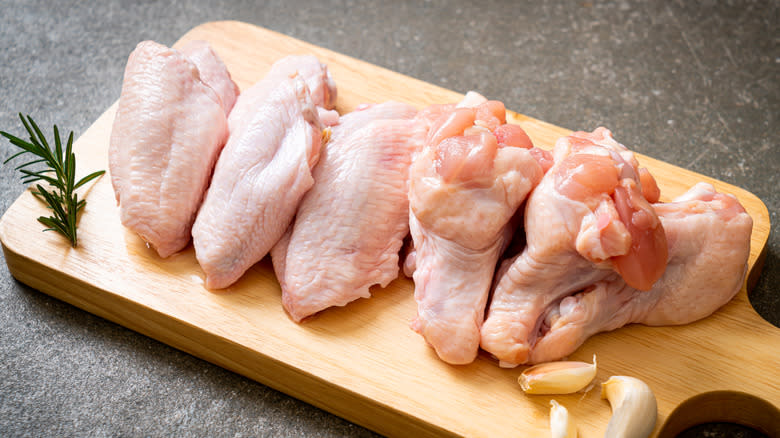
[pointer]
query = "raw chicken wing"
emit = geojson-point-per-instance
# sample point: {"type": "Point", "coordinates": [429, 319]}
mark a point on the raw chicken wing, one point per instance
{"type": "Point", "coordinates": [709, 244]}
{"type": "Point", "coordinates": [588, 218]}
{"type": "Point", "coordinates": [264, 170]}
{"type": "Point", "coordinates": [466, 184]}
{"type": "Point", "coordinates": [167, 134]}
{"type": "Point", "coordinates": [350, 226]}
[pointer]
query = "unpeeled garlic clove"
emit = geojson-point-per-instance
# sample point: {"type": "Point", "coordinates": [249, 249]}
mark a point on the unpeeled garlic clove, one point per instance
{"type": "Point", "coordinates": [561, 423]}
{"type": "Point", "coordinates": [634, 409]}
{"type": "Point", "coordinates": [563, 377]}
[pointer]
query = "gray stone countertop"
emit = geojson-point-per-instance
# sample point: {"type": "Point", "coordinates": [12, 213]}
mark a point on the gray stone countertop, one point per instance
{"type": "Point", "coordinates": [695, 85]}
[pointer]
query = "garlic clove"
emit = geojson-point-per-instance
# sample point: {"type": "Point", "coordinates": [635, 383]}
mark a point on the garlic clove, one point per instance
{"type": "Point", "coordinates": [563, 377]}
{"type": "Point", "coordinates": [561, 423]}
{"type": "Point", "coordinates": [634, 409]}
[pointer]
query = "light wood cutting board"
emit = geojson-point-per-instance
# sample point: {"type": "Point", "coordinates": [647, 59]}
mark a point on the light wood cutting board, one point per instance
{"type": "Point", "coordinates": [362, 362]}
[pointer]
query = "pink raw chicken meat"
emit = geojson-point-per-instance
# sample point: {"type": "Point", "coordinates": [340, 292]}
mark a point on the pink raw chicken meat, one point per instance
{"type": "Point", "coordinates": [320, 83]}
{"type": "Point", "coordinates": [264, 170]}
{"type": "Point", "coordinates": [350, 226]}
{"type": "Point", "coordinates": [169, 128]}
{"type": "Point", "coordinates": [709, 245]}
{"type": "Point", "coordinates": [212, 71]}
{"type": "Point", "coordinates": [588, 218]}
{"type": "Point", "coordinates": [466, 184]}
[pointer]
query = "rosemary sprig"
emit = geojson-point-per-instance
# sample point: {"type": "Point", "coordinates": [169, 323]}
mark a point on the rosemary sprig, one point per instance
{"type": "Point", "coordinates": [60, 174]}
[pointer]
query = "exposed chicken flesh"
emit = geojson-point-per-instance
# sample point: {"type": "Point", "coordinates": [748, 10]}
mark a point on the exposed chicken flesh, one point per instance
{"type": "Point", "coordinates": [466, 184]}
{"type": "Point", "coordinates": [167, 134]}
{"type": "Point", "coordinates": [350, 226]}
{"type": "Point", "coordinates": [588, 218]}
{"type": "Point", "coordinates": [709, 244]}
{"type": "Point", "coordinates": [264, 170]}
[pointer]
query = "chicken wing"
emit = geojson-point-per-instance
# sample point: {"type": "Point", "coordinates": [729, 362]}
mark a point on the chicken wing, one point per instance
{"type": "Point", "coordinates": [588, 218]}
{"type": "Point", "coordinates": [467, 183]}
{"type": "Point", "coordinates": [351, 224]}
{"type": "Point", "coordinates": [264, 170]}
{"type": "Point", "coordinates": [169, 129]}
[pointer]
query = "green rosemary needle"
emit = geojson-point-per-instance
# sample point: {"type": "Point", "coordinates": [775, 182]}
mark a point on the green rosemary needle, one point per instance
{"type": "Point", "coordinates": [59, 173]}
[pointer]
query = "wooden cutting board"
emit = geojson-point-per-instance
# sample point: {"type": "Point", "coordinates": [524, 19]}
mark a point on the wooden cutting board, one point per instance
{"type": "Point", "coordinates": [362, 362]}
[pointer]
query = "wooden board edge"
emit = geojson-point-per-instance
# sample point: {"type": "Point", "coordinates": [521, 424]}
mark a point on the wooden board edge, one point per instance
{"type": "Point", "coordinates": [218, 350]}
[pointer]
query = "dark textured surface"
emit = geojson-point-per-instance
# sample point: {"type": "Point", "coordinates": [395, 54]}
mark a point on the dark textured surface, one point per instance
{"type": "Point", "coordinates": [721, 429]}
{"type": "Point", "coordinates": [692, 84]}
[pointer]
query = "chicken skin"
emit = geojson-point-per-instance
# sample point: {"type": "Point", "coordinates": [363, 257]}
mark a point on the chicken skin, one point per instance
{"type": "Point", "coordinates": [264, 170]}
{"type": "Point", "coordinates": [466, 184]}
{"type": "Point", "coordinates": [709, 244]}
{"type": "Point", "coordinates": [169, 129]}
{"type": "Point", "coordinates": [588, 219]}
{"type": "Point", "coordinates": [350, 226]}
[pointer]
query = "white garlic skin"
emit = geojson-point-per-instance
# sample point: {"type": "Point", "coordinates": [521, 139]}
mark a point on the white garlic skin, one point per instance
{"type": "Point", "coordinates": [634, 408]}
{"type": "Point", "coordinates": [562, 425]}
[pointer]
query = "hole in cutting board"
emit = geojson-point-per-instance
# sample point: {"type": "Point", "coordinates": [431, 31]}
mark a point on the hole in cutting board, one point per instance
{"type": "Point", "coordinates": [723, 407]}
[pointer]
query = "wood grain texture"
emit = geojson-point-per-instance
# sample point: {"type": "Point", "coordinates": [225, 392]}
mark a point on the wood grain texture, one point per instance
{"type": "Point", "coordinates": [362, 362]}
